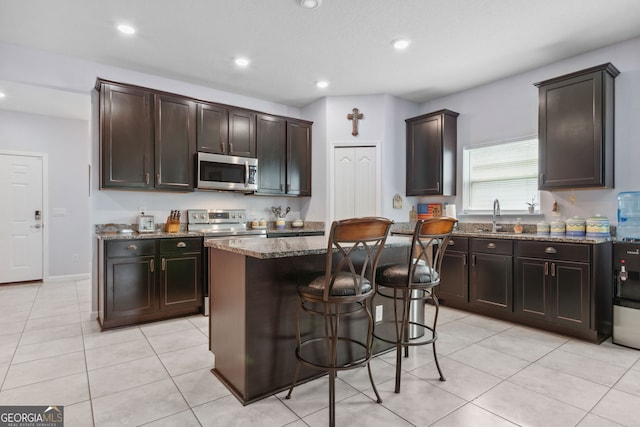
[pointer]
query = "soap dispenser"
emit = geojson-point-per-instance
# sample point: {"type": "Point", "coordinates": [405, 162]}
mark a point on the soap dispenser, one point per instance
{"type": "Point", "coordinates": [518, 227]}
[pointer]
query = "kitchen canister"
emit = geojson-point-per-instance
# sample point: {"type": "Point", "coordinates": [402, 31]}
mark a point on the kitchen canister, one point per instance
{"type": "Point", "coordinates": [557, 229]}
{"type": "Point", "coordinates": [598, 226]}
{"type": "Point", "coordinates": [576, 227]}
{"type": "Point", "coordinates": [542, 229]}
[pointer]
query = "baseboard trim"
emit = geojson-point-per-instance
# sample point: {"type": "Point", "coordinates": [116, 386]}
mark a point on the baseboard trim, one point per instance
{"type": "Point", "coordinates": [67, 278]}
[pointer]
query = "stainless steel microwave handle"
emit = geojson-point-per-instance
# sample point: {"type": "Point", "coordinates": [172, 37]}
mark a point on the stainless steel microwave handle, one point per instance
{"type": "Point", "coordinates": [246, 174]}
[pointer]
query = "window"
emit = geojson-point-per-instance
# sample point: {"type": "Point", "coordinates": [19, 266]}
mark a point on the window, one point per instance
{"type": "Point", "coordinates": [507, 171]}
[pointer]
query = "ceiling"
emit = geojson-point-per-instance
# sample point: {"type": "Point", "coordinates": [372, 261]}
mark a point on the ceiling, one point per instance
{"type": "Point", "coordinates": [455, 44]}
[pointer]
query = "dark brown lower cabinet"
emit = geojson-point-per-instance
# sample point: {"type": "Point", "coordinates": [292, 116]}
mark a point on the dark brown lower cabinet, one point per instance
{"type": "Point", "coordinates": [180, 274]}
{"type": "Point", "coordinates": [130, 279]}
{"type": "Point", "coordinates": [553, 291]}
{"type": "Point", "coordinates": [553, 283]}
{"type": "Point", "coordinates": [491, 274]}
{"type": "Point", "coordinates": [557, 286]}
{"type": "Point", "coordinates": [149, 279]}
{"type": "Point", "coordinates": [454, 281]}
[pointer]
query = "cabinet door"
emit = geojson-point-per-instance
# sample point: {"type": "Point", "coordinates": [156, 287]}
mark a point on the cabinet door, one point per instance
{"type": "Point", "coordinates": [454, 277]}
{"type": "Point", "coordinates": [130, 289]}
{"type": "Point", "coordinates": [576, 130]}
{"type": "Point", "coordinates": [491, 281]}
{"type": "Point", "coordinates": [431, 154]}
{"type": "Point", "coordinates": [213, 128]}
{"type": "Point", "coordinates": [570, 294]}
{"type": "Point", "coordinates": [175, 143]}
{"type": "Point", "coordinates": [242, 133]}
{"type": "Point", "coordinates": [298, 158]}
{"type": "Point", "coordinates": [180, 281]}
{"type": "Point", "coordinates": [531, 288]}
{"type": "Point", "coordinates": [126, 137]}
{"type": "Point", "coordinates": [271, 150]}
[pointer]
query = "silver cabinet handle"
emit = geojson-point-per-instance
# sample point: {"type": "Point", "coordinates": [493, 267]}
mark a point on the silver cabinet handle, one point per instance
{"type": "Point", "coordinates": [152, 265]}
{"type": "Point", "coordinates": [222, 146]}
{"type": "Point", "coordinates": [473, 260]}
{"type": "Point", "coordinates": [231, 147]}
{"type": "Point", "coordinates": [164, 264]}
{"type": "Point", "coordinates": [132, 247]}
{"type": "Point", "coordinates": [553, 269]}
{"type": "Point", "coordinates": [181, 245]}
{"type": "Point", "coordinates": [550, 250]}
{"type": "Point", "coordinates": [158, 178]}
{"type": "Point", "coordinates": [491, 245]}
{"type": "Point", "coordinates": [546, 268]}
{"type": "Point", "coordinates": [146, 178]}
{"type": "Point", "coordinates": [464, 259]}
{"type": "Point", "coordinates": [36, 226]}
{"type": "Point", "coordinates": [451, 243]}
{"type": "Point", "coordinates": [246, 174]}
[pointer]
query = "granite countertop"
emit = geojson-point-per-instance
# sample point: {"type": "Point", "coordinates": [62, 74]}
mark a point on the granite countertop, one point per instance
{"type": "Point", "coordinates": [283, 247]}
{"type": "Point", "coordinates": [477, 230]}
{"type": "Point", "coordinates": [115, 235]}
{"type": "Point", "coordinates": [128, 231]}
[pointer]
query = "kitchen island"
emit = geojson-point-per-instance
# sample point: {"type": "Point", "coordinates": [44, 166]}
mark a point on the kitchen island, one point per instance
{"type": "Point", "coordinates": [253, 299]}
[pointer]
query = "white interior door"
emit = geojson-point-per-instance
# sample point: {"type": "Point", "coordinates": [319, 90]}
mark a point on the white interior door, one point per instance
{"type": "Point", "coordinates": [21, 235]}
{"type": "Point", "coordinates": [355, 183]}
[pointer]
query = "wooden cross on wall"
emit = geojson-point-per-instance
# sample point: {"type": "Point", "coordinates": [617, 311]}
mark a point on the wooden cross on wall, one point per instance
{"type": "Point", "coordinates": [354, 117]}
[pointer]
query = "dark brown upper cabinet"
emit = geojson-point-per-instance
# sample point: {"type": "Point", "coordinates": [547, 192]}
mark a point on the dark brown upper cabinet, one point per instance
{"type": "Point", "coordinates": [576, 129]}
{"type": "Point", "coordinates": [126, 137]}
{"type": "Point", "coordinates": [271, 149]}
{"type": "Point", "coordinates": [298, 158]}
{"type": "Point", "coordinates": [147, 139]}
{"type": "Point", "coordinates": [284, 156]}
{"type": "Point", "coordinates": [225, 130]}
{"type": "Point", "coordinates": [431, 154]}
{"type": "Point", "coordinates": [175, 142]}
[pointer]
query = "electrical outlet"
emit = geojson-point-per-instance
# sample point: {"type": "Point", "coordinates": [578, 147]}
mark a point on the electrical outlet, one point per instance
{"type": "Point", "coordinates": [378, 313]}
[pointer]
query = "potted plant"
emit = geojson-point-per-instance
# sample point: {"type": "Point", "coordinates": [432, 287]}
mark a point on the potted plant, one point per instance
{"type": "Point", "coordinates": [532, 204]}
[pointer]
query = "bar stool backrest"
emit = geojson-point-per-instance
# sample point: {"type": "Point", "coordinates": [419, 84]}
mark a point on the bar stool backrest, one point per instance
{"type": "Point", "coordinates": [346, 239]}
{"type": "Point", "coordinates": [430, 241]}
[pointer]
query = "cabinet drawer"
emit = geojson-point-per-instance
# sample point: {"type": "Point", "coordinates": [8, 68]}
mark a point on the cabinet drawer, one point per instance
{"type": "Point", "coordinates": [551, 250]}
{"type": "Point", "coordinates": [492, 246]}
{"type": "Point", "coordinates": [189, 244]}
{"type": "Point", "coordinates": [458, 244]}
{"type": "Point", "coordinates": [136, 247]}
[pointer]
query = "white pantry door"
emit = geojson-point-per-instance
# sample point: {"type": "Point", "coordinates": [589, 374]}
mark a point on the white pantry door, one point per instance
{"type": "Point", "coordinates": [21, 235]}
{"type": "Point", "coordinates": [354, 182]}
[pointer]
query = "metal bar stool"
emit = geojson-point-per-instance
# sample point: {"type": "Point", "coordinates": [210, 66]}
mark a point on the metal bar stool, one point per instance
{"type": "Point", "coordinates": [411, 282]}
{"type": "Point", "coordinates": [344, 292]}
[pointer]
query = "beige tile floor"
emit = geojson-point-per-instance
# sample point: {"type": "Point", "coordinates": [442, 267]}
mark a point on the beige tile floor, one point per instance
{"type": "Point", "coordinates": [498, 374]}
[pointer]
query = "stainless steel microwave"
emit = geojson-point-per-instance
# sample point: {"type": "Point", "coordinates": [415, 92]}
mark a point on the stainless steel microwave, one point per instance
{"type": "Point", "coordinates": [221, 172]}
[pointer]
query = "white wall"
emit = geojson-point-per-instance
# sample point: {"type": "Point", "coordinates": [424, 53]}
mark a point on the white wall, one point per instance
{"type": "Point", "coordinates": [508, 109]}
{"type": "Point", "coordinates": [66, 144]}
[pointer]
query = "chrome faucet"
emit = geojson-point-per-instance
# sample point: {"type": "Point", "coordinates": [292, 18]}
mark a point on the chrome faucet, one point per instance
{"type": "Point", "coordinates": [496, 213]}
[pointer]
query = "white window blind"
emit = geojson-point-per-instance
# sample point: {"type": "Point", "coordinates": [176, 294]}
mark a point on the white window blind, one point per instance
{"type": "Point", "coordinates": [505, 171]}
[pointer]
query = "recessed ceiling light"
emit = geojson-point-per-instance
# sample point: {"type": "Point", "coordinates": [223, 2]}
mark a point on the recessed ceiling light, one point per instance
{"type": "Point", "coordinates": [309, 4]}
{"type": "Point", "coordinates": [242, 62]}
{"type": "Point", "coordinates": [126, 29]}
{"type": "Point", "coordinates": [401, 44]}
{"type": "Point", "coordinates": [322, 84]}
{"type": "Point", "coordinates": [2, 95]}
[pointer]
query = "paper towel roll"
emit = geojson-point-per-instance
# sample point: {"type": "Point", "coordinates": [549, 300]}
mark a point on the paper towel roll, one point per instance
{"type": "Point", "coordinates": [450, 211]}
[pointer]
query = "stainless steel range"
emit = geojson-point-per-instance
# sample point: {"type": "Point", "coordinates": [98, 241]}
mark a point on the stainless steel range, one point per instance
{"type": "Point", "coordinates": [222, 223]}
